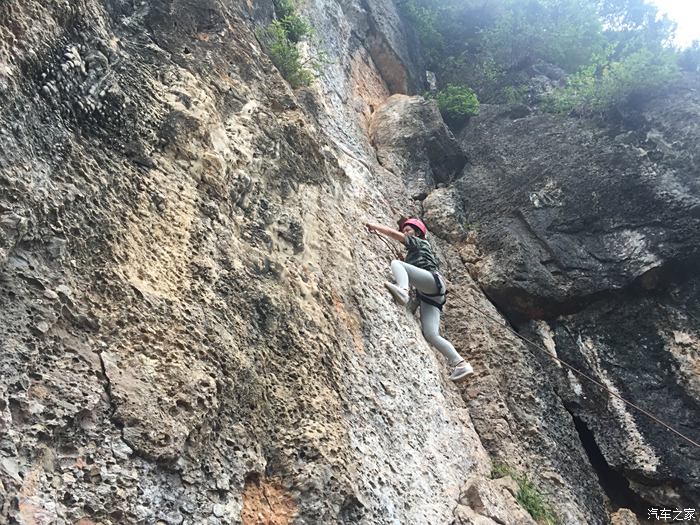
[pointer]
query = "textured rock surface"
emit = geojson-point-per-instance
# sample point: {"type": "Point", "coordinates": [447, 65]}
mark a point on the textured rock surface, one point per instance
{"type": "Point", "coordinates": [647, 350]}
{"type": "Point", "coordinates": [568, 209]}
{"type": "Point", "coordinates": [520, 419]}
{"type": "Point", "coordinates": [413, 142]}
{"type": "Point", "coordinates": [598, 221]}
{"type": "Point", "coordinates": [193, 331]}
{"type": "Point", "coordinates": [624, 517]}
{"type": "Point", "coordinates": [495, 500]}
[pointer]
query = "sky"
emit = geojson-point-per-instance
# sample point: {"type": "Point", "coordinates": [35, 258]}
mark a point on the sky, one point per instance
{"type": "Point", "coordinates": [685, 13]}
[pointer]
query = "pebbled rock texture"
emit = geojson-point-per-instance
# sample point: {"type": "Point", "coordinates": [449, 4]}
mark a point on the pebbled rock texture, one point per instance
{"type": "Point", "coordinates": [194, 328]}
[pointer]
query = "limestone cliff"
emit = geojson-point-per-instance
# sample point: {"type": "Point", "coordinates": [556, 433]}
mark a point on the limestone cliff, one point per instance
{"type": "Point", "coordinates": [194, 327]}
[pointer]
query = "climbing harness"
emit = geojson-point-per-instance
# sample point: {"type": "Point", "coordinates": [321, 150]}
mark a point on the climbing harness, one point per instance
{"type": "Point", "coordinates": [441, 292]}
{"type": "Point", "coordinates": [439, 281]}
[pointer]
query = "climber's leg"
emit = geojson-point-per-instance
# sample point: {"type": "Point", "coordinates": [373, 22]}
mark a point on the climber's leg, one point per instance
{"type": "Point", "coordinates": [400, 274]}
{"type": "Point", "coordinates": [405, 274]}
{"type": "Point", "coordinates": [430, 324]}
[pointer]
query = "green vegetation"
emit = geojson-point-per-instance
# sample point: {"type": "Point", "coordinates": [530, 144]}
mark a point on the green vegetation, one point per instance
{"type": "Point", "coordinates": [280, 39]}
{"type": "Point", "coordinates": [528, 496]}
{"type": "Point", "coordinates": [295, 27]}
{"type": "Point", "coordinates": [532, 501]}
{"type": "Point", "coordinates": [614, 51]}
{"type": "Point", "coordinates": [602, 85]}
{"type": "Point", "coordinates": [284, 8]}
{"type": "Point", "coordinates": [500, 470]}
{"type": "Point", "coordinates": [456, 103]}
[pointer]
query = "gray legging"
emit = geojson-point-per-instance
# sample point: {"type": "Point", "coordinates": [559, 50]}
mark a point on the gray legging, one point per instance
{"type": "Point", "coordinates": [423, 281]}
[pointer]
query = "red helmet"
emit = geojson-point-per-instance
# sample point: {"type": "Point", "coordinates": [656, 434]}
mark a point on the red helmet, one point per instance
{"type": "Point", "coordinates": [417, 224]}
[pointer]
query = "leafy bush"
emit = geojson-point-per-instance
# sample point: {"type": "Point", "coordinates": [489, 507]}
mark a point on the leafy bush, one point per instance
{"type": "Point", "coordinates": [479, 71]}
{"type": "Point", "coordinates": [513, 94]}
{"type": "Point", "coordinates": [427, 24]}
{"type": "Point", "coordinates": [284, 54]}
{"type": "Point", "coordinates": [490, 46]}
{"type": "Point", "coordinates": [500, 470]}
{"type": "Point", "coordinates": [565, 32]}
{"type": "Point", "coordinates": [486, 39]}
{"type": "Point", "coordinates": [296, 27]}
{"type": "Point", "coordinates": [528, 496]}
{"type": "Point", "coordinates": [280, 38]}
{"type": "Point", "coordinates": [601, 86]}
{"type": "Point", "coordinates": [533, 501]}
{"type": "Point", "coordinates": [456, 102]}
{"type": "Point", "coordinates": [284, 8]}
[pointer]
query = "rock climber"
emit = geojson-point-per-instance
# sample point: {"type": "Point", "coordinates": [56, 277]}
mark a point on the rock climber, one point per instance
{"type": "Point", "coordinates": [420, 270]}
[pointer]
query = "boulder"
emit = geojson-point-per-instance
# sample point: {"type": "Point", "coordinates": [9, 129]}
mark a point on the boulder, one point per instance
{"type": "Point", "coordinates": [413, 142]}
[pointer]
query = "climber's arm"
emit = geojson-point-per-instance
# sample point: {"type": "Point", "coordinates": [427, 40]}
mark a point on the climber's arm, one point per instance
{"type": "Point", "coordinates": [387, 232]}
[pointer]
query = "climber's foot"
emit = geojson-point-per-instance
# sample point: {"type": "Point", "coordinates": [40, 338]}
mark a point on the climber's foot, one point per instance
{"type": "Point", "coordinates": [461, 372]}
{"type": "Point", "coordinates": [400, 294]}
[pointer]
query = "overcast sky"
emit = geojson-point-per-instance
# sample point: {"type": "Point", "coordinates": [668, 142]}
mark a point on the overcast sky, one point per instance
{"type": "Point", "coordinates": [685, 13]}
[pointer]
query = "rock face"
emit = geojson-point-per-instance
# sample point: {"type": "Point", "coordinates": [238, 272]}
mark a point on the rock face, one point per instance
{"type": "Point", "coordinates": [194, 330]}
{"type": "Point", "coordinates": [568, 210]}
{"type": "Point", "coordinates": [594, 226]}
{"type": "Point", "coordinates": [194, 327]}
{"type": "Point", "coordinates": [412, 140]}
{"type": "Point", "coordinates": [646, 350]}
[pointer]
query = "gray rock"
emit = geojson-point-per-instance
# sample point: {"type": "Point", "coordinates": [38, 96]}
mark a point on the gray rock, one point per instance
{"type": "Point", "coordinates": [50, 294]}
{"type": "Point", "coordinates": [567, 213]}
{"type": "Point", "coordinates": [650, 363]}
{"type": "Point", "coordinates": [596, 221]}
{"type": "Point", "coordinates": [249, 365]}
{"type": "Point", "coordinates": [413, 142]}
{"type": "Point", "coordinates": [494, 501]}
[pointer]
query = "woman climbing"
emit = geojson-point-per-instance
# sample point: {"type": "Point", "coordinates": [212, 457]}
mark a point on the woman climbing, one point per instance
{"type": "Point", "coordinates": [420, 270]}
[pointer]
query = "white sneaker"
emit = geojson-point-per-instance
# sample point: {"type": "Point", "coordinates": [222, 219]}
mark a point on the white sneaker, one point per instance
{"type": "Point", "coordinates": [400, 294]}
{"type": "Point", "coordinates": [461, 371]}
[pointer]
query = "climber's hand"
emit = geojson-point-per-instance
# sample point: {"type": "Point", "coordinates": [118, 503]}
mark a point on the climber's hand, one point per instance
{"type": "Point", "coordinates": [372, 228]}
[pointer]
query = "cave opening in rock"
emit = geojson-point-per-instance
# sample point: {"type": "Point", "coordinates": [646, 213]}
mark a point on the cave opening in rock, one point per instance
{"type": "Point", "coordinates": [614, 484]}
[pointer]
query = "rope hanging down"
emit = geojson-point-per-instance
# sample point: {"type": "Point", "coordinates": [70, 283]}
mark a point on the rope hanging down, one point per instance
{"type": "Point", "coordinates": [585, 376]}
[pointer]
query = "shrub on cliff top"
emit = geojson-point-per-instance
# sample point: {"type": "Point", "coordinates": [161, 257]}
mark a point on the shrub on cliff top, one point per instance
{"type": "Point", "coordinates": [492, 45]}
{"type": "Point", "coordinates": [280, 39]}
{"type": "Point", "coordinates": [457, 103]}
{"type": "Point", "coordinates": [609, 81]}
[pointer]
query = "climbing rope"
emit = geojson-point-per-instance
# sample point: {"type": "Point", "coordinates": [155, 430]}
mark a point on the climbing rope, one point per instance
{"type": "Point", "coordinates": [394, 252]}
{"type": "Point", "coordinates": [582, 374]}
